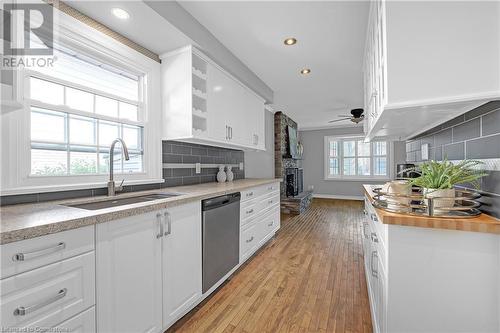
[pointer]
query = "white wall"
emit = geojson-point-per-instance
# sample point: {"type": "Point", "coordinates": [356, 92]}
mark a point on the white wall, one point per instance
{"type": "Point", "coordinates": [261, 164]}
{"type": "Point", "coordinates": [313, 163]}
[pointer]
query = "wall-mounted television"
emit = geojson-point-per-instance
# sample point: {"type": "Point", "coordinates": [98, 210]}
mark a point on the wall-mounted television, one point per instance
{"type": "Point", "coordinates": [292, 142]}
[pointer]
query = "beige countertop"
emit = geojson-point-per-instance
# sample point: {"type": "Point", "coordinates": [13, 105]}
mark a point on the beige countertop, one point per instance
{"type": "Point", "coordinates": [481, 223]}
{"type": "Point", "coordinates": [18, 222]}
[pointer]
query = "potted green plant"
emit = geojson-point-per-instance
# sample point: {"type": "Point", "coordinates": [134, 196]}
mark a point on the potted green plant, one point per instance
{"type": "Point", "coordinates": [438, 178]}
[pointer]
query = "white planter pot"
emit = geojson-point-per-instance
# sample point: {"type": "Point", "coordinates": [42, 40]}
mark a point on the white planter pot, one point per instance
{"type": "Point", "coordinates": [446, 194]}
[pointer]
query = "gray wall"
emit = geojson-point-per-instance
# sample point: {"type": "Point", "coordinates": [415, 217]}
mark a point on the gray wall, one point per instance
{"type": "Point", "coordinates": [473, 135]}
{"type": "Point", "coordinates": [261, 164]}
{"type": "Point", "coordinates": [187, 24]}
{"type": "Point", "coordinates": [313, 163]}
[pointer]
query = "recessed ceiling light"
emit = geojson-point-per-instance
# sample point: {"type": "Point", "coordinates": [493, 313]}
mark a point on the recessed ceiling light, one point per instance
{"type": "Point", "coordinates": [290, 41]}
{"type": "Point", "coordinates": [122, 14]}
{"type": "Point", "coordinates": [305, 71]}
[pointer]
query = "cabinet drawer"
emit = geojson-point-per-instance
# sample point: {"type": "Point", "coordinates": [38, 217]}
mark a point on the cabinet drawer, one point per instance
{"type": "Point", "coordinates": [269, 224]}
{"type": "Point", "coordinates": [49, 295]}
{"type": "Point", "coordinates": [251, 193]}
{"type": "Point", "coordinates": [18, 257]}
{"type": "Point", "coordinates": [249, 239]}
{"type": "Point", "coordinates": [83, 322]}
{"type": "Point", "coordinates": [248, 210]}
{"type": "Point", "coordinates": [269, 201]}
{"type": "Point", "coordinates": [269, 188]}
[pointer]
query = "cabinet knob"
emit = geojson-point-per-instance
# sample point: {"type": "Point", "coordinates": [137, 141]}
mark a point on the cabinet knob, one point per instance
{"type": "Point", "coordinates": [249, 240]}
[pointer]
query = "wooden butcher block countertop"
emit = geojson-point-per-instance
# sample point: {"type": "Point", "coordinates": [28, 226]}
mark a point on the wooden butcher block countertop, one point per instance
{"type": "Point", "coordinates": [481, 223]}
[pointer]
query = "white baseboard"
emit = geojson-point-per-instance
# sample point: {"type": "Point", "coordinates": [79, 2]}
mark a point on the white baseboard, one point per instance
{"type": "Point", "coordinates": [338, 197]}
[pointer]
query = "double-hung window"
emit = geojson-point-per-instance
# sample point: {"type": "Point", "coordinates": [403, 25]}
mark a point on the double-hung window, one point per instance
{"type": "Point", "coordinates": [77, 108]}
{"type": "Point", "coordinates": [351, 157]}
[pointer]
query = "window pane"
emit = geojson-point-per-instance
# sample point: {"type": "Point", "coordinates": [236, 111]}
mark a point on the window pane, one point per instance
{"type": "Point", "coordinates": [334, 167]}
{"type": "Point", "coordinates": [349, 166]}
{"type": "Point", "coordinates": [363, 148]}
{"type": "Point", "coordinates": [106, 106]}
{"type": "Point", "coordinates": [380, 166]}
{"type": "Point", "coordinates": [380, 148]}
{"type": "Point", "coordinates": [131, 136]}
{"type": "Point", "coordinates": [82, 163]}
{"type": "Point", "coordinates": [47, 92]}
{"type": "Point", "coordinates": [48, 162]}
{"type": "Point", "coordinates": [128, 111]}
{"type": "Point", "coordinates": [47, 125]}
{"type": "Point", "coordinates": [108, 131]}
{"type": "Point", "coordinates": [334, 148]}
{"type": "Point", "coordinates": [134, 164]}
{"type": "Point", "coordinates": [82, 130]}
{"type": "Point", "coordinates": [79, 100]}
{"type": "Point", "coordinates": [104, 162]}
{"type": "Point", "coordinates": [364, 166]}
{"type": "Point", "coordinates": [349, 148]}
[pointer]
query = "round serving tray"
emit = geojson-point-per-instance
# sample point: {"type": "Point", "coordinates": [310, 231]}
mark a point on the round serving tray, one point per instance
{"type": "Point", "coordinates": [465, 205]}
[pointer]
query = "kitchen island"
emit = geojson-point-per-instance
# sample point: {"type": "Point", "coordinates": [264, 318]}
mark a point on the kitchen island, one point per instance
{"type": "Point", "coordinates": [431, 274]}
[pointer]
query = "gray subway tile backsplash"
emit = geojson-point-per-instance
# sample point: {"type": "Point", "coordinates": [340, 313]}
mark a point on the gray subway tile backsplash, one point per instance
{"type": "Point", "coordinates": [466, 131]}
{"type": "Point", "coordinates": [189, 153]}
{"type": "Point", "coordinates": [473, 135]}
{"type": "Point", "coordinates": [491, 123]}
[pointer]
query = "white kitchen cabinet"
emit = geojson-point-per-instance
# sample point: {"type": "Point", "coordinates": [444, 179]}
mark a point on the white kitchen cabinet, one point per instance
{"type": "Point", "coordinates": [203, 103]}
{"type": "Point", "coordinates": [430, 280]}
{"type": "Point", "coordinates": [424, 64]}
{"type": "Point", "coordinates": [148, 269]}
{"type": "Point", "coordinates": [181, 261]}
{"type": "Point", "coordinates": [129, 278]}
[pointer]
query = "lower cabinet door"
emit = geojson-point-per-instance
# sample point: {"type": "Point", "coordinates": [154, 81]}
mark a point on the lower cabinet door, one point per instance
{"type": "Point", "coordinates": [181, 261]}
{"type": "Point", "coordinates": [128, 271]}
{"type": "Point", "coordinates": [249, 240]}
{"type": "Point", "coordinates": [81, 323]}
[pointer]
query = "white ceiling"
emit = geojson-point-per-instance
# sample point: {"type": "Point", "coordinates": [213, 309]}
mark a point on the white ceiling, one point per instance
{"type": "Point", "coordinates": [330, 34]}
{"type": "Point", "coordinates": [145, 26]}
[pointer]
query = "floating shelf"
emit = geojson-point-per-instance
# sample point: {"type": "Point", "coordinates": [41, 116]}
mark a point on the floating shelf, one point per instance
{"type": "Point", "coordinates": [199, 113]}
{"type": "Point", "coordinates": [198, 93]}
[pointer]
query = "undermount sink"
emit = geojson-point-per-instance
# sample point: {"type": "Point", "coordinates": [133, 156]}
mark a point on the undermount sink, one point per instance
{"type": "Point", "coordinates": [124, 201]}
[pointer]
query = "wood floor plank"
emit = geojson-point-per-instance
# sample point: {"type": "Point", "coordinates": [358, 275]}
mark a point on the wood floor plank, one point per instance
{"type": "Point", "coordinates": [309, 278]}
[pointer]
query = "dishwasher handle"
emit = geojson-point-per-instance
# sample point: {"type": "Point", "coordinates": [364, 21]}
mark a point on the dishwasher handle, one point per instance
{"type": "Point", "coordinates": [220, 201]}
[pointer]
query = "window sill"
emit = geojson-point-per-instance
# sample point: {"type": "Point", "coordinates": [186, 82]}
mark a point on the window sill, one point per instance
{"type": "Point", "coordinates": [358, 179]}
{"type": "Point", "coordinates": [57, 188]}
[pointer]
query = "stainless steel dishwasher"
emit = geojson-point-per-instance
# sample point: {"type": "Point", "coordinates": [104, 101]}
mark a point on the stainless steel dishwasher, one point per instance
{"type": "Point", "coordinates": [221, 237]}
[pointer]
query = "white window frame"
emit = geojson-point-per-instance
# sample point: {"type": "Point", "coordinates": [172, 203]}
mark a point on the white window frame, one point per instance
{"type": "Point", "coordinates": [341, 176]}
{"type": "Point", "coordinates": [16, 143]}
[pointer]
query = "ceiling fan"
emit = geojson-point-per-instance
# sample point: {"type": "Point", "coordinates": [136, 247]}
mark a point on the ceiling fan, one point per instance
{"type": "Point", "coordinates": [356, 116]}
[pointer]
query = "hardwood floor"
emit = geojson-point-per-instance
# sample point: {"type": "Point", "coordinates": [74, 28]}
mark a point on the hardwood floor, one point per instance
{"type": "Point", "coordinates": [309, 278]}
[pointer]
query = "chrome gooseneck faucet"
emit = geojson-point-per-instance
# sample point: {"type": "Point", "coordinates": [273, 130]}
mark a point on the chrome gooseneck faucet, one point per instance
{"type": "Point", "coordinates": [112, 189]}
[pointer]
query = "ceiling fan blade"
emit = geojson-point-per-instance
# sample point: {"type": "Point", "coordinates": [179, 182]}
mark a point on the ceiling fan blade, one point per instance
{"type": "Point", "coordinates": [334, 121]}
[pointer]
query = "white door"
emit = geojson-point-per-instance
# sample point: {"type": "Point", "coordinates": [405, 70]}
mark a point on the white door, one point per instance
{"type": "Point", "coordinates": [218, 95]}
{"type": "Point", "coordinates": [239, 118]}
{"type": "Point", "coordinates": [128, 271]}
{"type": "Point", "coordinates": [181, 261]}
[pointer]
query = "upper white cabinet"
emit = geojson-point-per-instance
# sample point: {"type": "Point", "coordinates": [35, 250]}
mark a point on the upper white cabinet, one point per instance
{"type": "Point", "coordinates": [203, 103]}
{"type": "Point", "coordinates": [427, 62]}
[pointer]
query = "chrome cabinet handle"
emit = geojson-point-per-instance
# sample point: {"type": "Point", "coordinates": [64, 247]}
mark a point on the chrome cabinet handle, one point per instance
{"type": "Point", "coordinates": [30, 255]}
{"type": "Point", "coordinates": [227, 132]}
{"type": "Point", "coordinates": [24, 310]}
{"type": "Point", "coordinates": [270, 202]}
{"type": "Point", "coordinates": [374, 237]}
{"type": "Point", "coordinates": [365, 234]}
{"type": "Point", "coordinates": [374, 271]}
{"type": "Point", "coordinates": [249, 194]}
{"type": "Point", "coordinates": [158, 218]}
{"type": "Point", "coordinates": [374, 217]}
{"type": "Point", "coordinates": [250, 211]}
{"type": "Point", "coordinates": [230, 132]}
{"type": "Point", "coordinates": [168, 218]}
{"type": "Point", "coordinates": [249, 240]}
{"type": "Point", "coordinates": [271, 224]}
